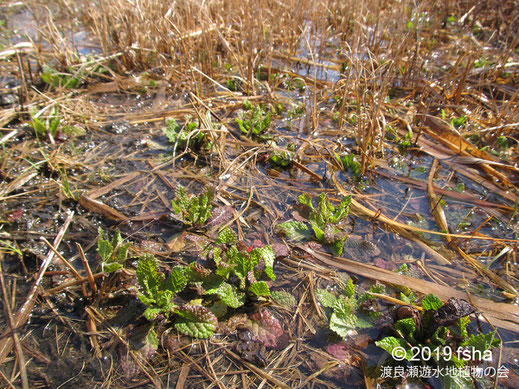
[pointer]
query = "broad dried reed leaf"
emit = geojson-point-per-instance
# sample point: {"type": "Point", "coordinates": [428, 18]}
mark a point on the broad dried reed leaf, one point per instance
{"type": "Point", "coordinates": [444, 135]}
{"type": "Point", "coordinates": [100, 208]}
{"type": "Point", "coordinates": [94, 194]}
{"type": "Point", "coordinates": [501, 314]}
{"type": "Point", "coordinates": [435, 202]}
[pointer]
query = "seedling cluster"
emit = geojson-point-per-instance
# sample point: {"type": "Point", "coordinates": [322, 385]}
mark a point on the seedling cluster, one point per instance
{"type": "Point", "coordinates": [193, 211]}
{"type": "Point", "coordinates": [253, 120]}
{"type": "Point", "coordinates": [234, 277]}
{"type": "Point", "coordinates": [181, 137]}
{"type": "Point", "coordinates": [346, 312]}
{"type": "Point", "coordinates": [326, 222]}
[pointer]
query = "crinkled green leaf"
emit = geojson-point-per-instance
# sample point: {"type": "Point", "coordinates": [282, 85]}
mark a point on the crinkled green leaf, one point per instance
{"type": "Point", "coordinates": [212, 282]}
{"type": "Point", "coordinates": [177, 210]}
{"type": "Point", "coordinates": [317, 219]}
{"type": "Point", "coordinates": [196, 321]}
{"type": "Point", "coordinates": [172, 130]}
{"type": "Point", "coordinates": [195, 329]}
{"type": "Point", "coordinates": [231, 254]}
{"type": "Point", "coordinates": [253, 122]}
{"type": "Point", "coordinates": [243, 265]}
{"type": "Point", "coordinates": [324, 207]}
{"type": "Point", "coordinates": [431, 302]}
{"type": "Point", "coordinates": [406, 327]}
{"type": "Point", "coordinates": [205, 205]}
{"type": "Point", "coordinates": [39, 127]}
{"type": "Point", "coordinates": [349, 289]}
{"type": "Point", "coordinates": [366, 321]}
{"type": "Point", "coordinates": [283, 298]}
{"type": "Point", "coordinates": [121, 252]}
{"type": "Point", "coordinates": [325, 298]}
{"type": "Point", "coordinates": [181, 200]}
{"type": "Point", "coordinates": [163, 300]}
{"type": "Point", "coordinates": [281, 159]}
{"type": "Point", "coordinates": [269, 257]}
{"type": "Point", "coordinates": [305, 199]}
{"type": "Point", "coordinates": [295, 230]}
{"type": "Point", "coordinates": [342, 210]}
{"type": "Point", "coordinates": [439, 336]}
{"type": "Point", "coordinates": [241, 124]}
{"type": "Point", "coordinates": [247, 105]}
{"type": "Point", "coordinates": [405, 298]}
{"type": "Point", "coordinates": [151, 341]}
{"type": "Point", "coordinates": [148, 275]}
{"type": "Point", "coordinates": [389, 343]}
{"type": "Point", "coordinates": [228, 294]}
{"type": "Point", "coordinates": [254, 257]}
{"type": "Point", "coordinates": [59, 79]}
{"type": "Point", "coordinates": [117, 239]}
{"type": "Point", "coordinates": [343, 318]}
{"type": "Point", "coordinates": [378, 288]}
{"type": "Point", "coordinates": [217, 255]}
{"type": "Point", "coordinates": [483, 342]}
{"type": "Point", "coordinates": [226, 236]}
{"type": "Point", "coordinates": [318, 231]}
{"type": "Point", "coordinates": [225, 269]}
{"type": "Point", "coordinates": [267, 254]}
{"type": "Point", "coordinates": [463, 322]}
{"type": "Point", "coordinates": [194, 210]}
{"type": "Point", "coordinates": [260, 288]}
{"type": "Point", "coordinates": [110, 267]}
{"type": "Point", "coordinates": [337, 247]}
{"type": "Point", "coordinates": [113, 254]}
{"type": "Point", "coordinates": [146, 300]}
{"type": "Point", "coordinates": [151, 313]}
{"type": "Point", "coordinates": [176, 281]}
{"type": "Point", "coordinates": [104, 247]}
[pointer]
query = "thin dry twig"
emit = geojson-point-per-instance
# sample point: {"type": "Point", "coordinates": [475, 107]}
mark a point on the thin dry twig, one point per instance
{"type": "Point", "coordinates": [14, 331]}
{"type": "Point", "coordinates": [24, 312]}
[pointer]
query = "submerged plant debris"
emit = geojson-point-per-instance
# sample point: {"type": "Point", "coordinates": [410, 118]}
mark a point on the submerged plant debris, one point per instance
{"type": "Point", "coordinates": [246, 194]}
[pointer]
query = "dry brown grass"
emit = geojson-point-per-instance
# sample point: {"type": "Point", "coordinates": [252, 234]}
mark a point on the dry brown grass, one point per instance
{"type": "Point", "coordinates": [383, 45]}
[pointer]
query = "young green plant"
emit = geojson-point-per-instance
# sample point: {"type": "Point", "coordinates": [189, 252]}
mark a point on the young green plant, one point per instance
{"type": "Point", "coordinates": [113, 253]}
{"type": "Point", "coordinates": [238, 277]}
{"type": "Point", "coordinates": [192, 210]}
{"type": "Point", "coordinates": [346, 312]}
{"type": "Point", "coordinates": [325, 222]}
{"type": "Point", "coordinates": [253, 121]}
{"type": "Point", "coordinates": [182, 136]}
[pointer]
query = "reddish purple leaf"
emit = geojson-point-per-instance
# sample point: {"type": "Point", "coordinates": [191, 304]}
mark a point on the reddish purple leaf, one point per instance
{"type": "Point", "coordinates": [200, 241]}
{"type": "Point", "coordinates": [221, 215]}
{"type": "Point", "coordinates": [256, 244]}
{"type": "Point", "coordinates": [340, 351]}
{"type": "Point", "coordinates": [14, 215]}
{"type": "Point", "coordinates": [267, 329]}
{"type": "Point", "coordinates": [314, 245]}
{"type": "Point", "coordinates": [382, 263]}
{"type": "Point", "coordinates": [280, 250]}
